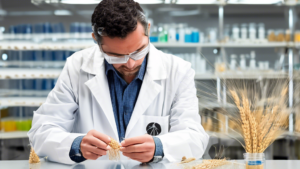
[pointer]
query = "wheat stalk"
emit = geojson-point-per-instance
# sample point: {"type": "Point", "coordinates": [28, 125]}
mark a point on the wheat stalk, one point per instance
{"type": "Point", "coordinates": [245, 122]}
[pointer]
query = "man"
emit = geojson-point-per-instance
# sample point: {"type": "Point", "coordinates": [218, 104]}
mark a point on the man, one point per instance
{"type": "Point", "coordinates": [122, 88]}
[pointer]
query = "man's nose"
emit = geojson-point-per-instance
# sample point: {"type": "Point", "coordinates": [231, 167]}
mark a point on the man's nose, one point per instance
{"type": "Point", "coordinates": [130, 63]}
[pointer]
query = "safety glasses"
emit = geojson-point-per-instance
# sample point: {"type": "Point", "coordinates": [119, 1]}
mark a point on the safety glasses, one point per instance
{"type": "Point", "coordinates": [137, 55]}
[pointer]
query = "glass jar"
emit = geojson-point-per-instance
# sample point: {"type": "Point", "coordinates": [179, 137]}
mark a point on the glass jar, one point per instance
{"type": "Point", "coordinates": [255, 160]}
{"type": "Point", "coordinates": [271, 36]}
{"type": "Point", "coordinates": [219, 65]}
{"type": "Point", "coordinates": [280, 35]}
{"type": "Point", "coordinates": [297, 36]}
{"type": "Point", "coordinates": [287, 35]}
{"type": "Point", "coordinates": [226, 33]}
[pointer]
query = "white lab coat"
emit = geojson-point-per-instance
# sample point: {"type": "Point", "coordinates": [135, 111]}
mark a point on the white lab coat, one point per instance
{"type": "Point", "coordinates": [80, 102]}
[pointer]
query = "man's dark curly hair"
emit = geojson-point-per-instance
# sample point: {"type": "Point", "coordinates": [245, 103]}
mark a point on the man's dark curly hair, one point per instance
{"type": "Point", "coordinates": [117, 18]}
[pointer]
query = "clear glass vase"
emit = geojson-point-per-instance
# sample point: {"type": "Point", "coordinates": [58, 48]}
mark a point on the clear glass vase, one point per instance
{"type": "Point", "coordinates": [255, 160]}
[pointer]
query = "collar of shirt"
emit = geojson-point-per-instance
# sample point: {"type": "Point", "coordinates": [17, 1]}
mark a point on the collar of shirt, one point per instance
{"type": "Point", "coordinates": [140, 75]}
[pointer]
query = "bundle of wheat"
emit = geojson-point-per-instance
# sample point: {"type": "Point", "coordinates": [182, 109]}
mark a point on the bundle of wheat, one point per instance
{"type": "Point", "coordinates": [258, 111]}
{"type": "Point", "coordinates": [114, 152]}
{"type": "Point", "coordinates": [260, 125]}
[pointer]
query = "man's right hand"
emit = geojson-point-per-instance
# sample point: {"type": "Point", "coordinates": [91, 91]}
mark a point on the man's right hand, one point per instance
{"type": "Point", "coordinates": [94, 145]}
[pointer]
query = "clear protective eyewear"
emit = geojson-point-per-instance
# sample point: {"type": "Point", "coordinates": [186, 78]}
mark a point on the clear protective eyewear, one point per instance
{"type": "Point", "coordinates": [124, 59]}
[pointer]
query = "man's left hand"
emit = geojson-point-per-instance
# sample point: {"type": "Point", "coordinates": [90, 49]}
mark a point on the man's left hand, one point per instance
{"type": "Point", "coordinates": [139, 148]}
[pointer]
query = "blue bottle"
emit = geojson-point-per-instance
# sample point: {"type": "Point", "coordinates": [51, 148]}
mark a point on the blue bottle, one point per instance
{"type": "Point", "coordinates": [48, 55]}
{"type": "Point", "coordinates": [188, 36]}
{"type": "Point", "coordinates": [38, 84]}
{"type": "Point", "coordinates": [38, 55]}
{"type": "Point", "coordinates": [28, 84]}
{"type": "Point", "coordinates": [47, 28]}
{"type": "Point", "coordinates": [27, 29]}
{"type": "Point", "coordinates": [58, 55]}
{"type": "Point", "coordinates": [12, 29]}
{"type": "Point", "coordinates": [38, 28]}
{"type": "Point", "coordinates": [195, 36]}
{"type": "Point", "coordinates": [47, 84]}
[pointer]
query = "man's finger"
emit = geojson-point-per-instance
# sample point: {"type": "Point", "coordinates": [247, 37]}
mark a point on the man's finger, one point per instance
{"type": "Point", "coordinates": [98, 143]}
{"type": "Point", "coordinates": [132, 141]}
{"type": "Point", "coordinates": [95, 150]}
{"type": "Point", "coordinates": [134, 148]}
{"type": "Point", "coordinates": [90, 156]}
{"type": "Point", "coordinates": [101, 136]}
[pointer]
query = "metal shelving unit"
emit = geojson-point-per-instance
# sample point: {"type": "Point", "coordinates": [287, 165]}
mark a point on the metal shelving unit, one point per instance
{"type": "Point", "coordinates": [27, 73]}
{"type": "Point", "coordinates": [13, 135]}
{"type": "Point", "coordinates": [81, 41]}
{"type": "Point", "coordinates": [22, 101]}
{"type": "Point", "coordinates": [77, 45]}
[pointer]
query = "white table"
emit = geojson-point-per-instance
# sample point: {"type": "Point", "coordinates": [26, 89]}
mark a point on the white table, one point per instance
{"type": "Point", "coordinates": [23, 164]}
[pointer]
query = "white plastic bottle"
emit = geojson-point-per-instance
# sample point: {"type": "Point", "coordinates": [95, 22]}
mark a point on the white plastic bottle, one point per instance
{"type": "Point", "coordinates": [181, 32]}
{"type": "Point", "coordinates": [261, 31]}
{"type": "Point", "coordinates": [172, 34]}
{"type": "Point", "coordinates": [233, 62]}
{"type": "Point", "coordinates": [243, 62]}
{"type": "Point", "coordinates": [244, 32]}
{"type": "Point", "coordinates": [252, 61]}
{"type": "Point", "coordinates": [201, 64]}
{"type": "Point", "coordinates": [235, 32]}
{"type": "Point", "coordinates": [252, 31]}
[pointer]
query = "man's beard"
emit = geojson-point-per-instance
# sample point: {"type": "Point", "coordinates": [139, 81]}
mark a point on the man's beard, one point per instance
{"type": "Point", "coordinates": [123, 70]}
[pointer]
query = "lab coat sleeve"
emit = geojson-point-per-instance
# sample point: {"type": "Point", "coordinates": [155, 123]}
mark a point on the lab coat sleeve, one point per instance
{"type": "Point", "coordinates": [50, 134]}
{"type": "Point", "coordinates": [186, 136]}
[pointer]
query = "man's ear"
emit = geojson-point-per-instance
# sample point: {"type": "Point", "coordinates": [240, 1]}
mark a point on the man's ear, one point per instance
{"type": "Point", "coordinates": [149, 27]}
{"type": "Point", "coordinates": [94, 37]}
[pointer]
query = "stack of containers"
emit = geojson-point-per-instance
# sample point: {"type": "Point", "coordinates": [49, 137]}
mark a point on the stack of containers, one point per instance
{"type": "Point", "coordinates": [49, 31]}
{"type": "Point", "coordinates": [176, 33]}
{"type": "Point", "coordinates": [19, 118]}
{"type": "Point", "coordinates": [16, 118]}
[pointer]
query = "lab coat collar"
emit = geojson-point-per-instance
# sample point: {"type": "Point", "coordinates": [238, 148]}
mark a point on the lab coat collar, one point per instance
{"type": "Point", "coordinates": [93, 62]}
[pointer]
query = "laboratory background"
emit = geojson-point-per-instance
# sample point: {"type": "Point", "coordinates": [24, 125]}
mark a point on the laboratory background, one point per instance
{"type": "Point", "coordinates": [225, 40]}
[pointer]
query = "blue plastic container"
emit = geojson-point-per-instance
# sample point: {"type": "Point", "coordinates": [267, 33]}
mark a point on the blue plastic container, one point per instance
{"type": "Point", "coordinates": [13, 29]}
{"type": "Point", "coordinates": [47, 28]}
{"type": "Point", "coordinates": [153, 38]}
{"type": "Point", "coordinates": [38, 55]}
{"type": "Point", "coordinates": [27, 29]}
{"type": "Point", "coordinates": [28, 84]}
{"type": "Point", "coordinates": [59, 55]}
{"type": "Point", "coordinates": [188, 38]}
{"type": "Point", "coordinates": [195, 37]}
{"type": "Point", "coordinates": [48, 55]}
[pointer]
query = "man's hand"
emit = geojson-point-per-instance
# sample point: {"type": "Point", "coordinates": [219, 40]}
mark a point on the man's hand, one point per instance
{"type": "Point", "coordinates": [94, 145]}
{"type": "Point", "coordinates": [139, 148]}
